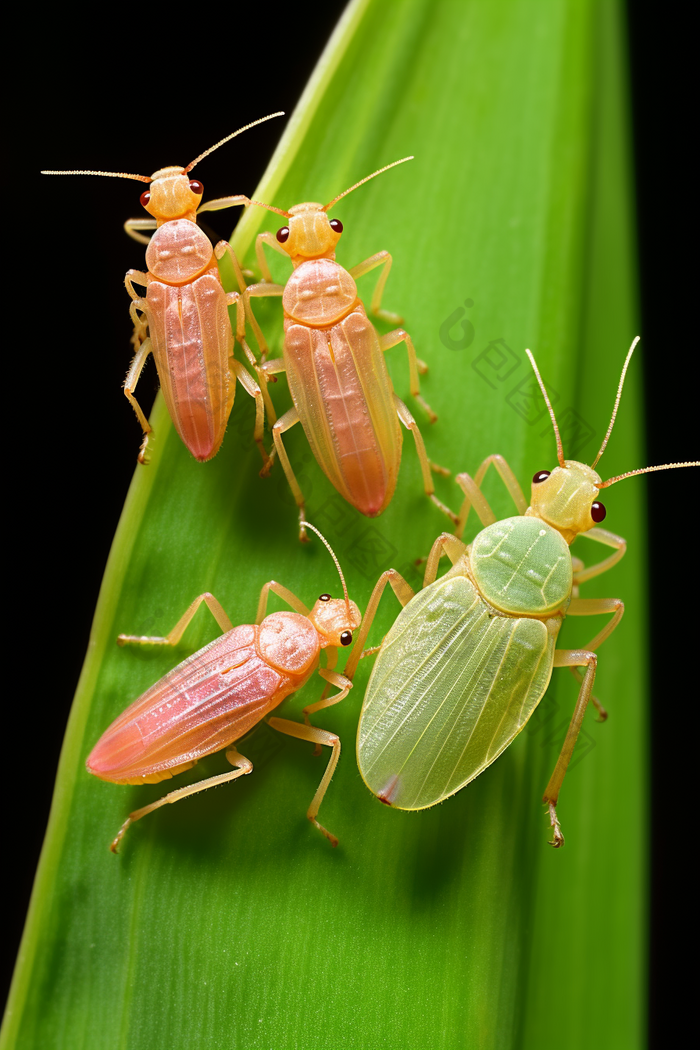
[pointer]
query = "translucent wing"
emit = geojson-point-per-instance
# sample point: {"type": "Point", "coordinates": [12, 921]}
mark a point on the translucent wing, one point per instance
{"type": "Point", "coordinates": [202, 705]}
{"type": "Point", "coordinates": [452, 686]}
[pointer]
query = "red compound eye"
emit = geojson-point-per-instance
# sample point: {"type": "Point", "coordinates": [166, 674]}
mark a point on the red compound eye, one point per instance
{"type": "Point", "coordinates": [145, 197]}
{"type": "Point", "coordinates": [196, 186]}
{"type": "Point", "coordinates": [283, 234]}
{"type": "Point", "coordinates": [598, 511]}
{"type": "Point", "coordinates": [336, 226]}
{"type": "Point", "coordinates": [541, 475]}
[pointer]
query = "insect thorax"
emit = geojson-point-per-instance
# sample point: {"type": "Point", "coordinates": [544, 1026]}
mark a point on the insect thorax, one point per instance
{"type": "Point", "coordinates": [289, 642]}
{"type": "Point", "coordinates": [178, 252]}
{"type": "Point", "coordinates": [320, 292]}
{"type": "Point", "coordinates": [522, 566]}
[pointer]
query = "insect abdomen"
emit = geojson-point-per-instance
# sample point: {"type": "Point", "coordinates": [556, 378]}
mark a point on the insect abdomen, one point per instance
{"type": "Point", "coordinates": [452, 686]}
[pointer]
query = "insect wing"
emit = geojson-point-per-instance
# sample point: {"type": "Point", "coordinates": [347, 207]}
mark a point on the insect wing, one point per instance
{"type": "Point", "coordinates": [345, 401]}
{"type": "Point", "coordinates": [452, 686]}
{"type": "Point", "coordinates": [192, 342]}
{"type": "Point", "coordinates": [202, 705]}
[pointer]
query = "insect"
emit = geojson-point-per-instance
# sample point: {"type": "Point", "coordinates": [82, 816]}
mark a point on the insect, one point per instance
{"type": "Point", "coordinates": [470, 656]}
{"type": "Point", "coordinates": [334, 360]}
{"type": "Point", "coordinates": [183, 317]}
{"type": "Point", "coordinates": [212, 699]}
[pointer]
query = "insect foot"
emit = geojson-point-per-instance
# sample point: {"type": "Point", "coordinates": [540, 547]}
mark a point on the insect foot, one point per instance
{"type": "Point", "coordinates": [558, 839]}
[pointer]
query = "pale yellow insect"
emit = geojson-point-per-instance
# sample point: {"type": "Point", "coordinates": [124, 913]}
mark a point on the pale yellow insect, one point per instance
{"type": "Point", "coordinates": [470, 656]}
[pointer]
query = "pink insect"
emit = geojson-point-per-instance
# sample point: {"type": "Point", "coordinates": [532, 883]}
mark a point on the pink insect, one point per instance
{"type": "Point", "coordinates": [213, 698]}
{"type": "Point", "coordinates": [183, 317]}
{"type": "Point", "coordinates": [334, 360]}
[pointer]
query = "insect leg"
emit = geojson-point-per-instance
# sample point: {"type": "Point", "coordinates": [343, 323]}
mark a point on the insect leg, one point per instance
{"type": "Point", "coordinates": [251, 387]}
{"type": "Point", "coordinates": [132, 277]}
{"type": "Point", "coordinates": [137, 310]}
{"type": "Point", "coordinates": [219, 203]}
{"type": "Point", "coordinates": [384, 260]}
{"type": "Point", "coordinates": [316, 736]}
{"type": "Point", "coordinates": [598, 607]}
{"type": "Point", "coordinates": [281, 592]}
{"type": "Point", "coordinates": [602, 713]}
{"type": "Point", "coordinates": [242, 764]}
{"type": "Point", "coordinates": [246, 311]}
{"type": "Point", "coordinates": [399, 335]}
{"type": "Point", "coordinates": [610, 540]}
{"type": "Point", "coordinates": [132, 225]}
{"type": "Point", "coordinates": [271, 241]}
{"type": "Point", "coordinates": [569, 658]}
{"type": "Point", "coordinates": [174, 636]}
{"type": "Point", "coordinates": [132, 378]}
{"type": "Point", "coordinates": [474, 497]}
{"type": "Point", "coordinates": [260, 290]}
{"type": "Point", "coordinates": [283, 424]}
{"type": "Point", "coordinates": [222, 248]}
{"type": "Point", "coordinates": [447, 544]}
{"type": "Point", "coordinates": [332, 678]}
{"type": "Point", "coordinates": [403, 591]}
{"type": "Point", "coordinates": [233, 298]}
{"type": "Point", "coordinates": [410, 424]}
{"type": "Point", "coordinates": [507, 477]}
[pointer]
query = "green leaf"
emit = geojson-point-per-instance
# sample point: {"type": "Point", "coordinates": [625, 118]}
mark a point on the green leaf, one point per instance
{"type": "Point", "coordinates": [227, 921]}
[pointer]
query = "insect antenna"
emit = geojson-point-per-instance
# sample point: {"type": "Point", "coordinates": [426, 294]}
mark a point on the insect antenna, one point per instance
{"type": "Point", "coordinates": [307, 525]}
{"type": "Point", "coordinates": [327, 207]}
{"type": "Point", "coordinates": [110, 174]}
{"type": "Point", "coordinates": [617, 399]}
{"type": "Point", "coordinates": [646, 470]}
{"type": "Point", "coordinates": [277, 211]}
{"type": "Point", "coordinates": [229, 137]}
{"type": "Point", "coordinates": [560, 450]}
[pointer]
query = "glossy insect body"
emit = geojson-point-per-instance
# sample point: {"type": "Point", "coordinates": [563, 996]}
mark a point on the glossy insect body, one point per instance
{"type": "Point", "coordinates": [471, 655]}
{"type": "Point", "coordinates": [355, 438]}
{"type": "Point", "coordinates": [183, 317]}
{"type": "Point", "coordinates": [219, 694]}
{"type": "Point", "coordinates": [334, 360]}
{"type": "Point", "coordinates": [458, 677]}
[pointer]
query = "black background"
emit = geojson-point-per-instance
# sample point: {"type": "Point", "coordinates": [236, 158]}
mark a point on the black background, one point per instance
{"type": "Point", "coordinates": [81, 98]}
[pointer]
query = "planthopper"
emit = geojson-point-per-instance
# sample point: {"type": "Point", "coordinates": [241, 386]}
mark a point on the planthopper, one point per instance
{"type": "Point", "coordinates": [215, 697]}
{"type": "Point", "coordinates": [334, 361]}
{"type": "Point", "coordinates": [470, 656]}
{"type": "Point", "coordinates": [183, 317]}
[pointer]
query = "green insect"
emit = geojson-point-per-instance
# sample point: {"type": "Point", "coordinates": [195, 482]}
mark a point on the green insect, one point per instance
{"type": "Point", "coordinates": [470, 656]}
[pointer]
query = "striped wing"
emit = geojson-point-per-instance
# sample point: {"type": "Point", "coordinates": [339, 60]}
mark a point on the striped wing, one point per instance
{"type": "Point", "coordinates": [192, 342]}
{"type": "Point", "coordinates": [452, 686]}
{"type": "Point", "coordinates": [343, 394]}
{"type": "Point", "coordinates": [202, 705]}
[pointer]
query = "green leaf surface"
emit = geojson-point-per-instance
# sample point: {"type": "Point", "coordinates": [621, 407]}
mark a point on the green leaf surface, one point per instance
{"type": "Point", "coordinates": [227, 920]}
